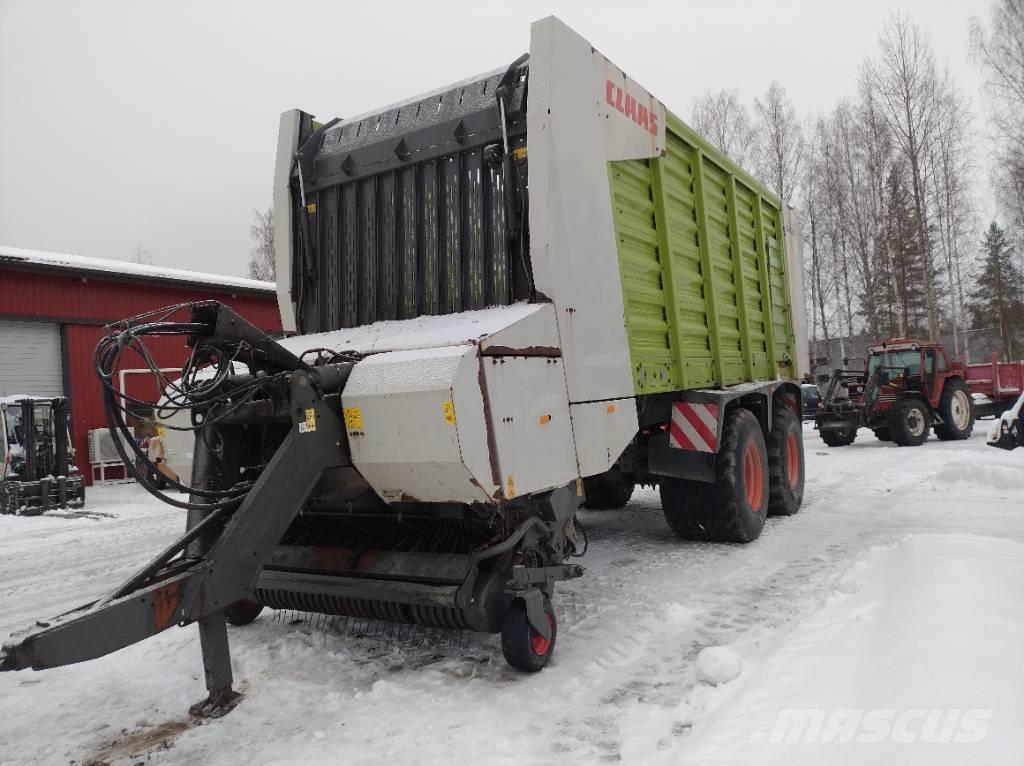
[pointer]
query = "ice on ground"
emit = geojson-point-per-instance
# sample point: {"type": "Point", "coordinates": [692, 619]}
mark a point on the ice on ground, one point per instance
{"type": "Point", "coordinates": [718, 665]}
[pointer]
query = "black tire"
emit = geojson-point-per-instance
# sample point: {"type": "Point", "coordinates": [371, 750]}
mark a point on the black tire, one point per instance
{"type": "Point", "coordinates": [839, 437]}
{"type": "Point", "coordinates": [785, 462]}
{"type": "Point", "coordinates": [243, 612]}
{"type": "Point", "coordinates": [524, 648]}
{"type": "Point", "coordinates": [608, 490]}
{"type": "Point", "coordinates": [956, 410]}
{"type": "Point", "coordinates": [909, 423]}
{"type": "Point", "coordinates": [883, 435]}
{"type": "Point", "coordinates": [722, 512]}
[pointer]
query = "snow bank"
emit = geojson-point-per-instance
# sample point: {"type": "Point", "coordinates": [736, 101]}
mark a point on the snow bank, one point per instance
{"type": "Point", "coordinates": [916, 657]}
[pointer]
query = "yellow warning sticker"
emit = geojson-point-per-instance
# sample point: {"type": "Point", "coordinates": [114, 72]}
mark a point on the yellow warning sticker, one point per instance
{"type": "Point", "coordinates": [308, 426]}
{"type": "Point", "coordinates": [353, 418]}
{"type": "Point", "coordinates": [511, 481]}
{"type": "Point", "coordinates": [311, 208]}
{"type": "Point", "coordinates": [449, 412]}
{"type": "Point", "coordinates": [579, 487]}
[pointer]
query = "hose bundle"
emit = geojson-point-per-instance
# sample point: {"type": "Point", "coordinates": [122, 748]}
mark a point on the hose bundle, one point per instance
{"type": "Point", "coordinates": [200, 388]}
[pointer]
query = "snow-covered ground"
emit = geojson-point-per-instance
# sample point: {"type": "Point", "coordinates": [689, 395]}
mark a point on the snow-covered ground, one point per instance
{"type": "Point", "coordinates": [882, 624]}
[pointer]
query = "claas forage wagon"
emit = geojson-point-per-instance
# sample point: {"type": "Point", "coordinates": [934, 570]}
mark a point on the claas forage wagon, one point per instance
{"type": "Point", "coordinates": [512, 297]}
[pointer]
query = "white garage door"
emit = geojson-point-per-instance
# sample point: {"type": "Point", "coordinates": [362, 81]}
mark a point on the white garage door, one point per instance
{"type": "Point", "coordinates": [30, 359]}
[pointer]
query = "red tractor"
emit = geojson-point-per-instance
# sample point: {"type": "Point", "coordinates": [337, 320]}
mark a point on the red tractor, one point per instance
{"type": "Point", "coordinates": [907, 388]}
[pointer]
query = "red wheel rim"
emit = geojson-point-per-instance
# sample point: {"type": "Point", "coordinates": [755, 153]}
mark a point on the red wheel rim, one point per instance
{"type": "Point", "coordinates": [792, 460]}
{"type": "Point", "coordinates": [753, 476]}
{"type": "Point", "coordinates": [540, 644]}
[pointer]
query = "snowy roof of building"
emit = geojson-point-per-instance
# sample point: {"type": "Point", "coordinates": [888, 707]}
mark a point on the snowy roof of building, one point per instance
{"type": "Point", "coordinates": [44, 261]}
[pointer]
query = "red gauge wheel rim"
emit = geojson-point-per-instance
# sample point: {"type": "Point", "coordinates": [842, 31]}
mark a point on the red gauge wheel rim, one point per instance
{"type": "Point", "coordinates": [792, 460]}
{"type": "Point", "coordinates": [540, 644]}
{"type": "Point", "coordinates": [753, 476]}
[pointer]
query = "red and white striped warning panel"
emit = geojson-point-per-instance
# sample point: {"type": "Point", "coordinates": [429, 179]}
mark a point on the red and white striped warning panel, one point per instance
{"type": "Point", "coordinates": [694, 427]}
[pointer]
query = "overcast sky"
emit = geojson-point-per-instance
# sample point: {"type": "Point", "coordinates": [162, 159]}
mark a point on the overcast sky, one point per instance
{"type": "Point", "coordinates": [126, 123]}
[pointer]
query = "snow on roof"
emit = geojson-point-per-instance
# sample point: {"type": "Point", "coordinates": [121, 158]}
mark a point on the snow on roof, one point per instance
{"type": "Point", "coordinates": [431, 331]}
{"type": "Point", "coordinates": [45, 260]}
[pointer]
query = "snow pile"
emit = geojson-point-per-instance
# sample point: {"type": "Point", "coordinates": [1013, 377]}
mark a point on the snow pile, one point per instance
{"type": "Point", "coordinates": [915, 657]}
{"type": "Point", "coordinates": [718, 665]}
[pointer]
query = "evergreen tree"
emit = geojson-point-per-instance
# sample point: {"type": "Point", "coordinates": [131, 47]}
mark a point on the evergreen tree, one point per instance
{"type": "Point", "coordinates": [998, 296]}
{"type": "Point", "coordinates": [902, 261]}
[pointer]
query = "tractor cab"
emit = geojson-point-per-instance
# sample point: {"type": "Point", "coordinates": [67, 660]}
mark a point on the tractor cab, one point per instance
{"type": "Point", "coordinates": [908, 365]}
{"type": "Point", "coordinates": [907, 388]}
{"type": "Point", "coordinates": [37, 472]}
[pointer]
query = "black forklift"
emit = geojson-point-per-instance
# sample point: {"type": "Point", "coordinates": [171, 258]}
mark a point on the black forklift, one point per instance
{"type": "Point", "coordinates": [38, 471]}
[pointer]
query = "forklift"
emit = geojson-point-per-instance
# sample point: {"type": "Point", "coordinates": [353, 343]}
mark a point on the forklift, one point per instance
{"type": "Point", "coordinates": [38, 471]}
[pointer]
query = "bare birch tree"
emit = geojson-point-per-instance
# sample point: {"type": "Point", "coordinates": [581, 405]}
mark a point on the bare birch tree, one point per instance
{"type": "Point", "coordinates": [725, 121]}
{"type": "Point", "coordinates": [906, 84]}
{"type": "Point", "coordinates": [951, 172]}
{"type": "Point", "coordinates": [779, 145]}
{"type": "Point", "coordinates": [261, 258]}
{"type": "Point", "coordinates": [1000, 49]}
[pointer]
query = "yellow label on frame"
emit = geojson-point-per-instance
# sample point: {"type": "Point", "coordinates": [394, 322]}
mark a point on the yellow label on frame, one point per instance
{"type": "Point", "coordinates": [353, 418]}
{"type": "Point", "coordinates": [449, 412]}
{"type": "Point", "coordinates": [310, 424]}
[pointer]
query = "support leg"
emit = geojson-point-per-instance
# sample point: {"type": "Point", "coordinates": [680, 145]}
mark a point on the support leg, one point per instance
{"type": "Point", "coordinates": [213, 638]}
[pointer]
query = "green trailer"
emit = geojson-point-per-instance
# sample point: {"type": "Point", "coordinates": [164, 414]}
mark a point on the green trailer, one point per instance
{"type": "Point", "coordinates": [705, 279]}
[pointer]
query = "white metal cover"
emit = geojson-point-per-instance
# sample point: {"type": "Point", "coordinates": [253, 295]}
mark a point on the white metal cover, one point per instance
{"type": "Point", "coordinates": [602, 430]}
{"type": "Point", "coordinates": [536, 332]}
{"type": "Point", "coordinates": [529, 417]}
{"type": "Point", "coordinates": [31, 359]}
{"type": "Point", "coordinates": [416, 426]}
{"type": "Point", "coordinates": [576, 127]}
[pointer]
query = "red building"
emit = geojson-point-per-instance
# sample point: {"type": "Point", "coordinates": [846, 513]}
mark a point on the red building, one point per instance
{"type": "Point", "coordinates": [53, 309]}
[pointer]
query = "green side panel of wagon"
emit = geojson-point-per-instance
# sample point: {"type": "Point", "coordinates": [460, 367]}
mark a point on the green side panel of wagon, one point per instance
{"type": "Point", "coordinates": [703, 266]}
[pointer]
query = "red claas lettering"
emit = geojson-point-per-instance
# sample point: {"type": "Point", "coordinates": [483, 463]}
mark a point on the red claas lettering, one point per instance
{"type": "Point", "coordinates": [628, 105]}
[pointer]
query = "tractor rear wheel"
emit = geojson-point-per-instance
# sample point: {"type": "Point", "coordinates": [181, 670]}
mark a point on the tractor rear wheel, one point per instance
{"type": "Point", "coordinates": [909, 423]}
{"type": "Point", "coordinates": [733, 508]}
{"type": "Point", "coordinates": [956, 410]}
{"type": "Point", "coordinates": [839, 437]}
{"type": "Point", "coordinates": [785, 463]}
{"type": "Point", "coordinates": [524, 648]}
